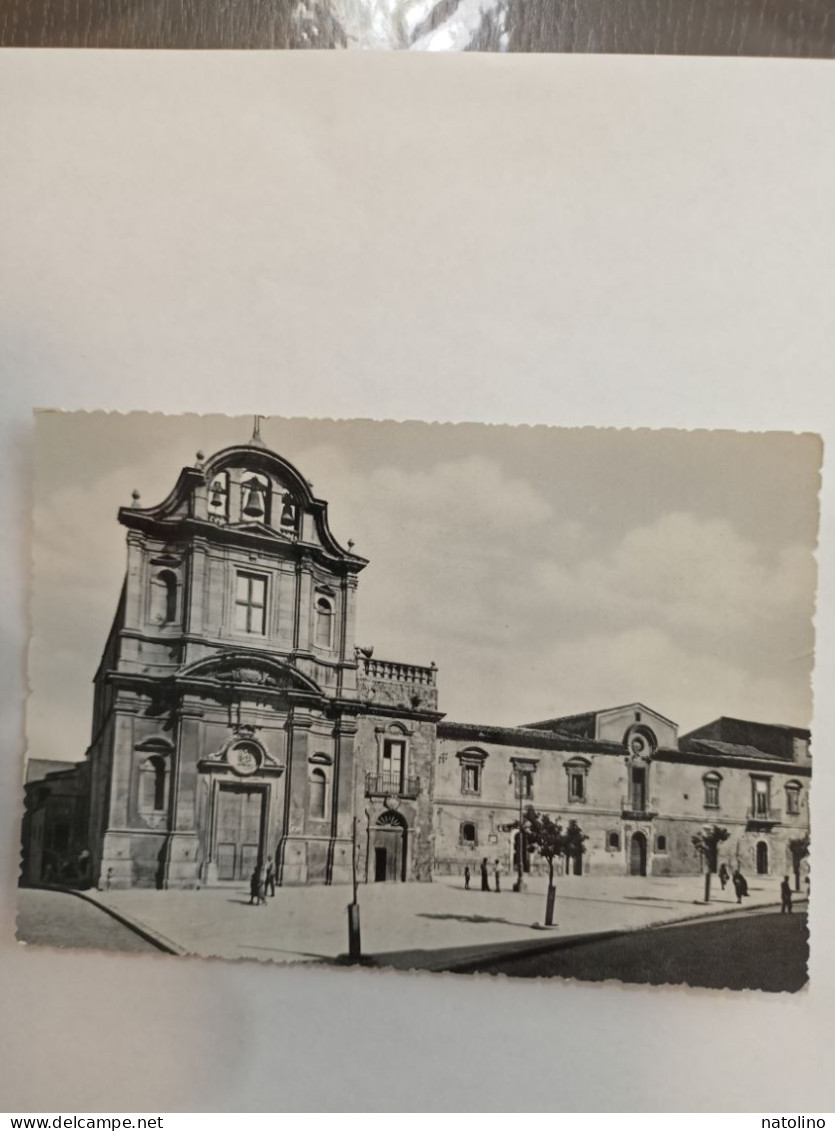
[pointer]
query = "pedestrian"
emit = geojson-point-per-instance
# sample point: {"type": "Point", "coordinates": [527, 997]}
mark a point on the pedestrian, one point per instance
{"type": "Point", "coordinates": [270, 878]}
{"type": "Point", "coordinates": [497, 872]}
{"type": "Point", "coordinates": [724, 876]}
{"type": "Point", "coordinates": [740, 885]}
{"type": "Point", "coordinates": [485, 875]}
{"type": "Point", "coordinates": [467, 878]}
{"type": "Point", "coordinates": [255, 886]}
{"type": "Point", "coordinates": [785, 896]}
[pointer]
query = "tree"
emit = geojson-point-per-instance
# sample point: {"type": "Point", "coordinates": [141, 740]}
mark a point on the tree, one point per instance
{"type": "Point", "coordinates": [799, 849]}
{"type": "Point", "coordinates": [707, 844]}
{"type": "Point", "coordinates": [575, 840]}
{"type": "Point", "coordinates": [548, 840]}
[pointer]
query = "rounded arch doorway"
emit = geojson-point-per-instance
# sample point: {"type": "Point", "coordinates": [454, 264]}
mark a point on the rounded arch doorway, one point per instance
{"type": "Point", "coordinates": [638, 855]}
{"type": "Point", "coordinates": [762, 858]}
{"type": "Point", "coordinates": [387, 848]}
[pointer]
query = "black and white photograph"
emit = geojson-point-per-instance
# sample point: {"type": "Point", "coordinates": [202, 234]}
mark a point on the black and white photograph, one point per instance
{"type": "Point", "coordinates": [503, 700]}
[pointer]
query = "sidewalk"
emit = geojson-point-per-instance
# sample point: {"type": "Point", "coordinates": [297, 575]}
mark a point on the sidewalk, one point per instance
{"type": "Point", "coordinates": [417, 926]}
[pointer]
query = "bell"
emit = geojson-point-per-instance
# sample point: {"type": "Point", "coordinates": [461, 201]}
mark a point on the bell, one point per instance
{"type": "Point", "coordinates": [288, 513]}
{"type": "Point", "coordinates": [254, 506]}
{"type": "Point", "coordinates": [217, 495]}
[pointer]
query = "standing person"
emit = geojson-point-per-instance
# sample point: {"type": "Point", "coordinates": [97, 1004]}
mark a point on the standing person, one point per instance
{"type": "Point", "coordinates": [270, 877]}
{"type": "Point", "coordinates": [254, 885]}
{"type": "Point", "coordinates": [740, 885]}
{"type": "Point", "coordinates": [723, 876]}
{"type": "Point", "coordinates": [467, 878]}
{"type": "Point", "coordinates": [497, 872]}
{"type": "Point", "coordinates": [485, 875]}
{"type": "Point", "coordinates": [785, 896]}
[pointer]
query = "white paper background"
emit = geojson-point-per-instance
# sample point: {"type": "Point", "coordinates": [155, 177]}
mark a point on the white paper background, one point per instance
{"type": "Point", "coordinates": [568, 240]}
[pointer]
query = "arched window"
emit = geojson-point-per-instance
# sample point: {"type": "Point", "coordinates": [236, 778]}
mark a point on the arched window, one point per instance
{"type": "Point", "coordinates": [152, 784]}
{"type": "Point", "coordinates": [164, 598]}
{"type": "Point", "coordinates": [318, 793]}
{"type": "Point", "coordinates": [468, 834]}
{"type": "Point", "coordinates": [613, 841]}
{"type": "Point", "coordinates": [660, 843]}
{"type": "Point", "coordinates": [324, 622]}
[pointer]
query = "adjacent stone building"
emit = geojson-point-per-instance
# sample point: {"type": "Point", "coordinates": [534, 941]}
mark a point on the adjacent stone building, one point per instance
{"type": "Point", "coordinates": [234, 718]}
{"type": "Point", "coordinates": [637, 791]}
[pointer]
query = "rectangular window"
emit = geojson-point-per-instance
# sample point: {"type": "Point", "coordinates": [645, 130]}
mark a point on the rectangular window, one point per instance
{"type": "Point", "coordinates": [793, 801]}
{"type": "Point", "coordinates": [394, 758]}
{"type": "Point", "coordinates": [576, 786]}
{"type": "Point", "coordinates": [470, 779]}
{"type": "Point", "coordinates": [761, 798]}
{"type": "Point", "coordinates": [524, 784]}
{"type": "Point", "coordinates": [250, 603]}
{"type": "Point", "coordinates": [712, 794]}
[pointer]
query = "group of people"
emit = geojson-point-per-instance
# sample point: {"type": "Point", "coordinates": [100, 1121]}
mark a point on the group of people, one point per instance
{"type": "Point", "coordinates": [262, 881]}
{"type": "Point", "coordinates": [485, 876]}
{"type": "Point", "coordinates": [740, 884]}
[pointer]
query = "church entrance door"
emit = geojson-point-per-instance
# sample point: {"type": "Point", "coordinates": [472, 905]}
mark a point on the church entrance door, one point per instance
{"type": "Point", "coordinates": [239, 838]}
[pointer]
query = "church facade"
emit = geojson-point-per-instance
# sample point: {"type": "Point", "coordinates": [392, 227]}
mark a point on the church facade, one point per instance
{"type": "Point", "coordinates": [235, 719]}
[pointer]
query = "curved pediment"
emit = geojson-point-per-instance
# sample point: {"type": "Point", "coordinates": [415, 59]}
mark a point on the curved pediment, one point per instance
{"type": "Point", "coordinates": [246, 669]}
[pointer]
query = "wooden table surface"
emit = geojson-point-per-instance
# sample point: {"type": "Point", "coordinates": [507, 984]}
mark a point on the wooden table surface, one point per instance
{"type": "Point", "coordinates": [797, 28]}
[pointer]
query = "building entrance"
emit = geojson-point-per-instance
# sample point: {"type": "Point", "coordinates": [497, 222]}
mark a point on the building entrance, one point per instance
{"type": "Point", "coordinates": [762, 858]}
{"type": "Point", "coordinates": [388, 848]}
{"type": "Point", "coordinates": [239, 837]}
{"type": "Point", "coordinates": [638, 855]}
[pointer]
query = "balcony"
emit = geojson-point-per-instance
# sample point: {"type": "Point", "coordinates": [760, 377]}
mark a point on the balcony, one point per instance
{"type": "Point", "coordinates": [391, 785]}
{"type": "Point", "coordinates": [635, 807]}
{"type": "Point", "coordinates": [759, 818]}
{"type": "Point", "coordinates": [398, 673]}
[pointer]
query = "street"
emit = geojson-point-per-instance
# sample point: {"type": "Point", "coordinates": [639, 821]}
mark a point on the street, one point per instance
{"type": "Point", "coordinates": [766, 951]}
{"type": "Point", "coordinates": [53, 918]}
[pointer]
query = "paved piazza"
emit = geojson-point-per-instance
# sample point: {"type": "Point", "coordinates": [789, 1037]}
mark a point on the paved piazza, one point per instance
{"type": "Point", "coordinates": [416, 926]}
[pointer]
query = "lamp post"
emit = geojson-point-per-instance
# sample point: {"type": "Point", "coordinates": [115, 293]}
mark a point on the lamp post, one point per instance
{"type": "Point", "coordinates": [354, 943]}
{"type": "Point", "coordinates": [519, 779]}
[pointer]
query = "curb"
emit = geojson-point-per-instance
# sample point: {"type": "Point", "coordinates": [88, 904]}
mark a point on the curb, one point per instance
{"type": "Point", "coordinates": [511, 953]}
{"type": "Point", "coordinates": [147, 933]}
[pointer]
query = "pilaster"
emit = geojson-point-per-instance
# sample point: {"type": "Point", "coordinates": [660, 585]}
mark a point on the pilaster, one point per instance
{"type": "Point", "coordinates": [292, 849]}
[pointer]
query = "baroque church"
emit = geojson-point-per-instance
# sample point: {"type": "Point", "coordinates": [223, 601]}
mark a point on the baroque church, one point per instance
{"type": "Point", "coordinates": [235, 719]}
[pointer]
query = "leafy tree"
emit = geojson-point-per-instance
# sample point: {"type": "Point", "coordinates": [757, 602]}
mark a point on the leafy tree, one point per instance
{"type": "Point", "coordinates": [574, 845]}
{"type": "Point", "coordinates": [799, 849]}
{"type": "Point", "coordinates": [550, 841]}
{"type": "Point", "coordinates": [707, 844]}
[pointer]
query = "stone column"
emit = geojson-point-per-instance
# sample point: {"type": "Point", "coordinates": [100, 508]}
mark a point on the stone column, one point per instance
{"type": "Point", "coordinates": [347, 670]}
{"type": "Point", "coordinates": [292, 848]}
{"type": "Point", "coordinates": [116, 869]}
{"type": "Point", "coordinates": [344, 791]}
{"type": "Point", "coordinates": [195, 595]}
{"type": "Point", "coordinates": [182, 850]}
{"type": "Point", "coordinates": [135, 581]}
{"type": "Point", "coordinates": [304, 598]}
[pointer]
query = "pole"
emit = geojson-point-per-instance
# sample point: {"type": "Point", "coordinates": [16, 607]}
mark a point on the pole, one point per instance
{"type": "Point", "coordinates": [354, 940]}
{"type": "Point", "coordinates": [520, 844]}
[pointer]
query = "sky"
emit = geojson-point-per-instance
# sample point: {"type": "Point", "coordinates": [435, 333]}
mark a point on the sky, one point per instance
{"type": "Point", "coordinates": [545, 570]}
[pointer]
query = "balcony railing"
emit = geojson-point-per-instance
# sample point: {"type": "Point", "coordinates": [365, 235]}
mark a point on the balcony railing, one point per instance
{"type": "Point", "coordinates": [398, 673]}
{"type": "Point", "coordinates": [636, 806]}
{"type": "Point", "coordinates": [391, 785]}
{"type": "Point", "coordinates": [768, 816]}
